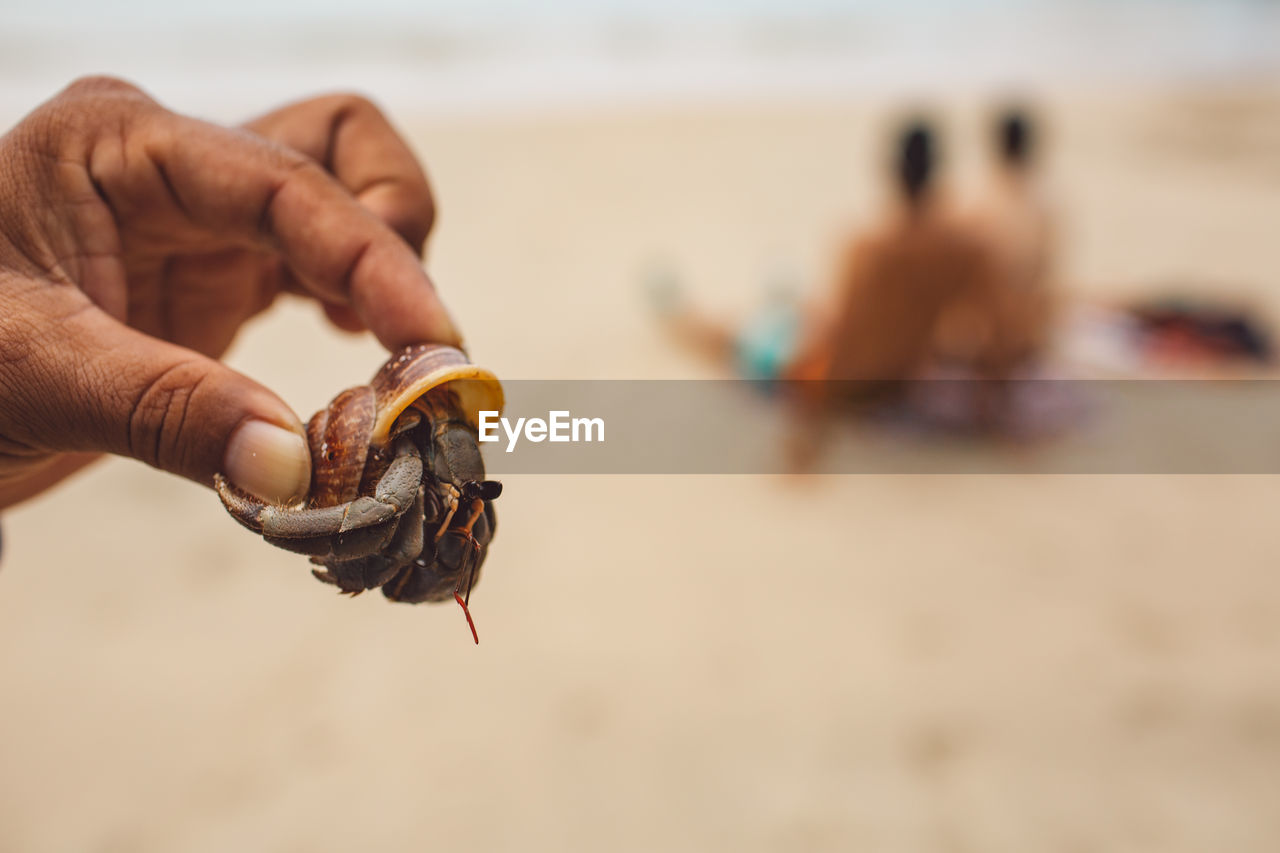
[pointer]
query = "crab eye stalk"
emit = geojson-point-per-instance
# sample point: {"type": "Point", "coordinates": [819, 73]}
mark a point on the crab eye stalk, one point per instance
{"type": "Point", "coordinates": [485, 490]}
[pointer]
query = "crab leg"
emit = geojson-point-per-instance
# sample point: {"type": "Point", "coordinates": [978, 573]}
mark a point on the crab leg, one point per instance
{"type": "Point", "coordinates": [464, 531]}
{"type": "Point", "coordinates": [464, 599]}
{"type": "Point", "coordinates": [454, 494]}
{"type": "Point", "coordinates": [372, 570]}
{"type": "Point", "coordinates": [394, 493]}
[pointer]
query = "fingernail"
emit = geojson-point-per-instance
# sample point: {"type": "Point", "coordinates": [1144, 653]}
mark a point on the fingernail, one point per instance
{"type": "Point", "coordinates": [269, 462]}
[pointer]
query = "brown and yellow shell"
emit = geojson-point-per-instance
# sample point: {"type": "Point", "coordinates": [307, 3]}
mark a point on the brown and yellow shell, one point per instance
{"type": "Point", "coordinates": [338, 436]}
{"type": "Point", "coordinates": [425, 368]}
{"type": "Point", "coordinates": [359, 421]}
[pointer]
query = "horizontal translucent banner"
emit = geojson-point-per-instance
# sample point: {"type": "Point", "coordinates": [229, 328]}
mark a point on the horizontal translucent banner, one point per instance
{"type": "Point", "coordinates": [927, 426]}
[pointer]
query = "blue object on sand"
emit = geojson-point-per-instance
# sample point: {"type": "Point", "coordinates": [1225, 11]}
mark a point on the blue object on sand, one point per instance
{"type": "Point", "coordinates": [768, 342]}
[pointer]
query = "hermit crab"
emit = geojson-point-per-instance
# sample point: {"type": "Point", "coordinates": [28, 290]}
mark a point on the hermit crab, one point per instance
{"type": "Point", "coordinates": [398, 496]}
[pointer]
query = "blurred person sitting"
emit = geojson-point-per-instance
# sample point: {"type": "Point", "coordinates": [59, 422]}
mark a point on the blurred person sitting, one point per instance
{"type": "Point", "coordinates": [895, 281]}
{"type": "Point", "coordinates": [1008, 326]}
{"type": "Point", "coordinates": [877, 326]}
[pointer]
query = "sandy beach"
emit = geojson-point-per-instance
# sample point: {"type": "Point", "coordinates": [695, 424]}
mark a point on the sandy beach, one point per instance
{"type": "Point", "coordinates": [887, 663]}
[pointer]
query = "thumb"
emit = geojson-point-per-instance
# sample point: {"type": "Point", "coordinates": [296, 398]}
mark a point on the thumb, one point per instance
{"type": "Point", "coordinates": [99, 385]}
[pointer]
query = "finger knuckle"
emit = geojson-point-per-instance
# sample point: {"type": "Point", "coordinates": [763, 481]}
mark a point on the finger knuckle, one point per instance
{"type": "Point", "coordinates": [89, 108]}
{"type": "Point", "coordinates": [413, 220]}
{"type": "Point", "coordinates": [354, 103]}
{"type": "Point", "coordinates": [102, 84]}
{"type": "Point", "coordinates": [93, 99]}
{"type": "Point", "coordinates": [289, 167]}
{"type": "Point", "coordinates": [158, 420]}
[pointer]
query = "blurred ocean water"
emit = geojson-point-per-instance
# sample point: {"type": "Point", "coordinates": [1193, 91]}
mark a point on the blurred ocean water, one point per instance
{"type": "Point", "coordinates": [222, 58]}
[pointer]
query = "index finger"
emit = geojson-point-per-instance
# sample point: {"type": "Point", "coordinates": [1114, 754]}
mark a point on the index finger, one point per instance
{"type": "Point", "coordinates": [350, 137]}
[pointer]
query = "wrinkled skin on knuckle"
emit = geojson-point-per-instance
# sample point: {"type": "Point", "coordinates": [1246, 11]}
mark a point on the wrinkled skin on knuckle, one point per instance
{"type": "Point", "coordinates": [158, 420]}
{"type": "Point", "coordinates": [21, 336]}
{"type": "Point", "coordinates": [285, 197]}
{"type": "Point", "coordinates": [52, 201]}
{"type": "Point", "coordinates": [29, 178]}
{"type": "Point", "coordinates": [87, 111]}
{"type": "Point", "coordinates": [23, 437]}
{"type": "Point", "coordinates": [42, 378]}
{"type": "Point", "coordinates": [128, 171]}
{"type": "Point", "coordinates": [110, 143]}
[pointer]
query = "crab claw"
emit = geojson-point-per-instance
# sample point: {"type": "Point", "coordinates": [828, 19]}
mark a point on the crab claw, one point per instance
{"type": "Point", "coordinates": [243, 508]}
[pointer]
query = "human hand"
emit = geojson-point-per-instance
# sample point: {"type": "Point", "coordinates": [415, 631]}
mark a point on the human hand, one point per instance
{"type": "Point", "coordinates": [134, 242]}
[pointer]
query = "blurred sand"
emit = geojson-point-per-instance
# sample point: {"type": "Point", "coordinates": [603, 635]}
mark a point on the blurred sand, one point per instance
{"type": "Point", "coordinates": [877, 663]}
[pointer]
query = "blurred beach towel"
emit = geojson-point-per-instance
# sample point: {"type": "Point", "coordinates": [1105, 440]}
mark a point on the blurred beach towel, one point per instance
{"type": "Point", "coordinates": [1152, 337]}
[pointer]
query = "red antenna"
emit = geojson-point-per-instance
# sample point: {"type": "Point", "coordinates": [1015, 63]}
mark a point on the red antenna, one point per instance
{"type": "Point", "coordinates": [477, 507]}
{"type": "Point", "coordinates": [466, 612]}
